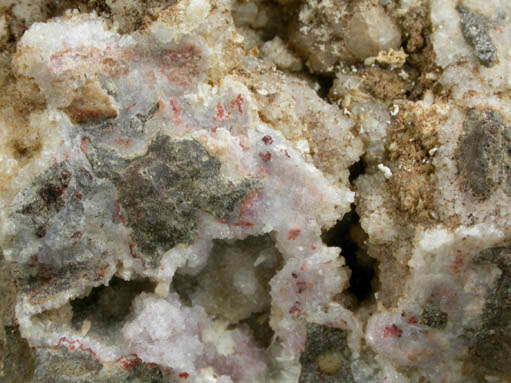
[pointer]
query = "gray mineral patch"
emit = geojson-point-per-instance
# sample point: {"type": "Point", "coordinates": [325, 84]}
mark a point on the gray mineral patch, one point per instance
{"type": "Point", "coordinates": [432, 316]}
{"type": "Point", "coordinates": [48, 211]}
{"type": "Point", "coordinates": [57, 217]}
{"type": "Point", "coordinates": [484, 153]}
{"type": "Point", "coordinates": [326, 358]}
{"type": "Point", "coordinates": [163, 191]}
{"type": "Point", "coordinates": [132, 127]}
{"type": "Point", "coordinates": [63, 366]}
{"type": "Point", "coordinates": [474, 28]}
{"type": "Point", "coordinates": [47, 282]}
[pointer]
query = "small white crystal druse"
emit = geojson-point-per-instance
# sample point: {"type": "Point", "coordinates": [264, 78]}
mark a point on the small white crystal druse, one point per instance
{"type": "Point", "coordinates": [187, 197]}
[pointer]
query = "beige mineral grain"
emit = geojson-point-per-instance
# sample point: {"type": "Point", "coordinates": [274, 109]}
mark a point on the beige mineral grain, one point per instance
{"type": "Point", "coordinates": [277, 52]}
{"type": "Point", "coordinates": [369, 31]}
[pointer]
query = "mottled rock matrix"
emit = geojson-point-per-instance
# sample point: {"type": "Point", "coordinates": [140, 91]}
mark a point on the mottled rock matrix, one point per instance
{"type": "Point", "coordinates": [289, 191]}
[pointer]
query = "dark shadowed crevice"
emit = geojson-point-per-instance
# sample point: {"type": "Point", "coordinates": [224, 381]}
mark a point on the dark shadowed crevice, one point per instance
{"type": "Point", "coordinates": [325, 83]}
{"type": "Point", "coordinates": [106, 307]}
{"type": "Point", "coordinates": [346, 234]}
{"type": "Point", "coordinates": [357, 169]}
{"type": "Point", "coordinates": [55, 8]}
{"type": "Point", "coordinates": [184, 285]}
{"type": "Point", "coordinates": [259, 324]}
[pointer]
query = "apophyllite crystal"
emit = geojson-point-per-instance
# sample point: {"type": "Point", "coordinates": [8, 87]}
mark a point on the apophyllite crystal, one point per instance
{"type": "Point", "coordinates": [242, 192]}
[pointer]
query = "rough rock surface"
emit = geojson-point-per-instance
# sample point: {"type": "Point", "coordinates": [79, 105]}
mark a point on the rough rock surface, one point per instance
{"type": "Point", "coordinates": [252, 191]}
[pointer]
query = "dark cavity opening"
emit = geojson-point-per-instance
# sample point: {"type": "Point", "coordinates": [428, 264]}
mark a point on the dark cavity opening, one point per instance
{"type": "Point", "coordinates": [106, 307]}
{"type": "Point", "coordinates": [357, 169]}
{"type": "Point", "coordinates": [349, 236]}
{"type": "Point", "coordinates": [325, 83]}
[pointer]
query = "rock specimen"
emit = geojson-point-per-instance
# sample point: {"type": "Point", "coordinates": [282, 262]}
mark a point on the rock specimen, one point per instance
{"type": "Point", "coordinates": [237, 192]}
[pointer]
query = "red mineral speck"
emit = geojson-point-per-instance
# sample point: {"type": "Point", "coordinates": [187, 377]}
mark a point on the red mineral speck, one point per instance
{"type": "Point", "coordinates": [294, 275]}
{"type": "Point", "coordinates": [248, 203]}
{"type": "Point", "coordinates": [181, 66]}
{"type": "Point", "coordinates": [458, 263]}
{"type": "Point", "coordinates": [129, 108]}
{"type": "Point", "coordinates": [392, 331]}
{"type": "Point", "coordinates": [184, 375]}
{"type": "Point", "coordinates": [133, 254]}
{"type": "Point", "coordinates": [265, 157]}
{"type": "Point", "coordinates": [285, 153]}
{"type": "Point", "coordinates": [120, 141]}
{"type": "Point", "coordinates": [238, 102]}
{"type": "Point", "coordinates": [412, 320]}
{"type": "Point", "coordinates": [267, 140]}
{"type": "Point", "coordinates": [343, 322]}
{"type": "Point", "coordinates": [84, 144]}
{"type": "Point", "coordinates": [302, 286]}
{"type": "Point", "coordinates": [132, 251]}
{"type": "Point", "coordinates": [176, 111]}
{"type": "Point", "coordinates": [295, 309]}
{"type": "Point", "coordinates": [293, 234]}
{"type": "Point", "coordinates": [244, 147]}
{"type": "Point", "coordinates": [118, 213]}
{"type": "Point", "coordinates": [128, 364]}
{"type": "Point", "coordinates": [221, 113]}
{"type": "Point", "coordinates": [73, 344]}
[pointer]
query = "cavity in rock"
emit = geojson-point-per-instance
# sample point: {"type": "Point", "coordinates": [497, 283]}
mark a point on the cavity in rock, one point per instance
{"type": "Point", "coordinates": [361, 265]}
{"type": "Point", "coordinates": [234, 284]}
{"type": "Point", "coordinates": [107, 307]}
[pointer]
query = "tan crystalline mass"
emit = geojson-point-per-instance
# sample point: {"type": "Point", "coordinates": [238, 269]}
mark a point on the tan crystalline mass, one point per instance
{"type": "Point", "coordinates": [255, 191]}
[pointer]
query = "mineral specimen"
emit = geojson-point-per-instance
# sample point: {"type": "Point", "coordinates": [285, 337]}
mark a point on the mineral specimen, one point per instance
{"type": "Point", "coordinates": [252, 191]}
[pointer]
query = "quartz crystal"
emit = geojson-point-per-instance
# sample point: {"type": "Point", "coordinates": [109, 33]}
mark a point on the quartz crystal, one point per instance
{"type": "Point", "coordinates": [292, 191]}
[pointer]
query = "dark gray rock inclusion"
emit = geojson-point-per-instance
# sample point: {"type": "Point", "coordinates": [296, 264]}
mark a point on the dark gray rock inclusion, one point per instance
{"type": "Point", "coordinates": [484, 153]}
{"type": "Point", "coordinates": [163, 191]}
{"type": "Point", "coordinates": [474, 28]}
